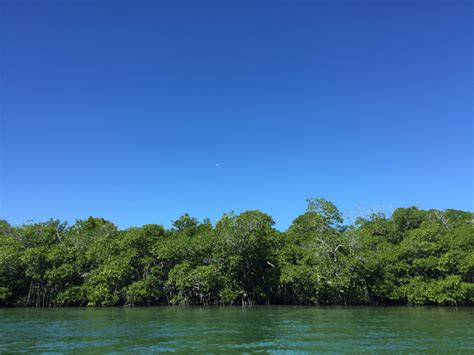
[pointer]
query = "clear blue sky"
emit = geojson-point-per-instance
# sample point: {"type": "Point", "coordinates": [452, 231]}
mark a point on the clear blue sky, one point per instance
{"type": "Point", "coordinates": [124, 109]}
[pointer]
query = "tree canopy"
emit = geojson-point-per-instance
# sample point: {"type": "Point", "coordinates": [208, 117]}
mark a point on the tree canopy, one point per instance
{"type": "Point", "coordinates": [412, 257]}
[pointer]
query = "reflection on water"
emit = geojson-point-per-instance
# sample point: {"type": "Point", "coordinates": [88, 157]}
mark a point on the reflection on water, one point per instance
{"type": "Point", "coordinates": [214, 329]}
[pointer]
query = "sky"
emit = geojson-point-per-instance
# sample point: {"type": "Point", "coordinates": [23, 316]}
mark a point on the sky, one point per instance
{"type": "Point", "coordinates": [141, 111]}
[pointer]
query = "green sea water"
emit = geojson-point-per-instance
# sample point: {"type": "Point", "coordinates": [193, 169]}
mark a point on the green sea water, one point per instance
{"type": "Point", "coordinates": [270, 329]}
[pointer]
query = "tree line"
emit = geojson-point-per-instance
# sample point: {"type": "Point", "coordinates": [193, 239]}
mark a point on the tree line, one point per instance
{"type": "Point", "coordinates": [411, 257]}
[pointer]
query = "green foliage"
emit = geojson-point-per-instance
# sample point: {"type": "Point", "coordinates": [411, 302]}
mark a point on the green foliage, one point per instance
{"type": "Point", "coordinates": [317, 259]}
{"type": "Point", "coordinates": [12, 269]}
{"type": "Point", "coordinates": [430, 262]}
{"type": "Point", "coordinates": [245, 250]}
{"type": "Point", "coordinates": [413, 257]}
{"type": "Point", "coordinates": [407, 218]}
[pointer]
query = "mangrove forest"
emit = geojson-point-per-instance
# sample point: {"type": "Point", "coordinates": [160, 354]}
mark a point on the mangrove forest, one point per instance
{"type": "Point", "coordinates": [412, 257]}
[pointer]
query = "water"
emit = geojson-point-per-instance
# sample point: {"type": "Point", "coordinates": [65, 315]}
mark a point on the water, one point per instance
{"type": "Point", "coordinates": [229, 329]}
